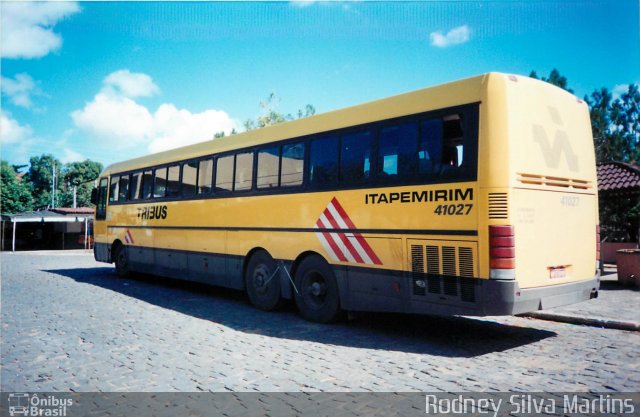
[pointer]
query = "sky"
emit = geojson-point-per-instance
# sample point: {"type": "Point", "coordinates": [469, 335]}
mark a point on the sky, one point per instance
{"type": "Point", "coordinates": [109, 81]}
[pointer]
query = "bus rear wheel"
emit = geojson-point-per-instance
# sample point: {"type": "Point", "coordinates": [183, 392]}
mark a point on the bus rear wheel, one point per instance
{"type": "Point", "coordinates": [262, 282]}
{"type": "Point", "coordinates": [121, 261]}
{"type": "Point", "coordinates": [317, 298]}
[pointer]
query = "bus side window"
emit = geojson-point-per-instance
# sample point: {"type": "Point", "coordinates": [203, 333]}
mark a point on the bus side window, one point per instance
{"type": "Point", "coordinates": [292, 170]}
{"type": "Point", "coordinates": [101, 204]}
{"type": "Point", "coordinates": [397, 159]}
{"type": "Point", "coordinates": [452, 141]}
{"type": "Point", "coordinates": [205, 175]}
{"type": "Point", "coordinates": [189, 177]}
{"type": "Point", "coordinates": [136, 185]}
{"type": "Point", "coordinates": [123, 192]}
{"type": "Point", "coordinates": [430, 151]}
{"type": "Point", "coordinates": [244, 171]}
{"type": "Point", "coordinates": [147, 184]}
{"type": "Point", "coordinates": [355, 157]}
{"type": "Point", "coordinates": [268, 167]}
{"type": "Point", "coordinates": [224, 173]}
{"type": "Point", "coordinates": [173, 181]}
{"type": "Point", "coordinates": [323, 160]}
{"type": "Point", "coordinates": [113, 189]}
{"type": "Point", "coordinates": [160, 183]}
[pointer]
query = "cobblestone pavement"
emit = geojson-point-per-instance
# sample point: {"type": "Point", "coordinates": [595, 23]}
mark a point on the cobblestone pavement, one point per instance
{"type": "Point", "coordinates": [615, 302]}
{"type": "Point", "coordinates": [69, 323]}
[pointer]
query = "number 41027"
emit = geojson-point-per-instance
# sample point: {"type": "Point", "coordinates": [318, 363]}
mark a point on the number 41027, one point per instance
{"type": "Point", "coordinates": [453, 209]}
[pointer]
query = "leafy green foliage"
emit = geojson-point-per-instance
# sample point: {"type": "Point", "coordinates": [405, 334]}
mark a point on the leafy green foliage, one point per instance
{"type": "Point", "coordinates": [554, 78]}
{"type": "Point", "coordinates": [33, 191]}
{"type": "Point", "coordinates": [269, 114]}
{"type": "Point", "coordinates": [82, 176]}
{"type": "Point", "coordinates": [616, 125]}
{"type": "Point", "coordinates": [40, 177]}
{"type": "Point", "coordinates": [15, 196]}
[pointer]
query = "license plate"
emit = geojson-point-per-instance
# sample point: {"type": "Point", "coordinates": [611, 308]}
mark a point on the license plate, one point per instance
{"type": "Point", "coordinates": [555, 273]}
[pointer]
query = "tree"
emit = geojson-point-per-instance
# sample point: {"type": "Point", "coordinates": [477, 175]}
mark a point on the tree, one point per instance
{"type": "Point", "coordinates": [40, 176]}
{"type": "Point", "coordinates": [222, 134]}
{"type": "Point", "coordinates": [554, 78]}
{"type": "Point", "coordinates": [615, 125]}
{"type": "Point", "coordinates": [270, 115]}
{"type": "Point", "coordinates": [80, 175]}
{"type": "Point", "coordinates": [15, 196]}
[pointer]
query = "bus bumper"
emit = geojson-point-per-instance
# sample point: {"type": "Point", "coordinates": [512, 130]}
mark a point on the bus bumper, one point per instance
{"type": "Point", "coordinates": [505, 297]}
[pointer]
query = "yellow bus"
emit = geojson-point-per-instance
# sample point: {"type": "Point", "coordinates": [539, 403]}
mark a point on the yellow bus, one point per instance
{"type": "Point", "coordinates": [477, 197]}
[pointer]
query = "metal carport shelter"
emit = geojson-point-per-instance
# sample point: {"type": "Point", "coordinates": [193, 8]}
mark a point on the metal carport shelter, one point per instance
{"type": "Point", "coordinates": [63, 216]}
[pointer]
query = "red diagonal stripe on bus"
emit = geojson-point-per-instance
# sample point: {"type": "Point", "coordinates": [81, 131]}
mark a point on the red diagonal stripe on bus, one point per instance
{"type": "Point", "coordinates": [349, 246]}
{"type": "Point", "coordinates": [358, 236]}
{"type": "Point", "coordinates": [334, 246]}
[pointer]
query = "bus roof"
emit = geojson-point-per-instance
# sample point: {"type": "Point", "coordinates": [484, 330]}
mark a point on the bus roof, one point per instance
{"type": "Point", "coordinates": [431, 98]}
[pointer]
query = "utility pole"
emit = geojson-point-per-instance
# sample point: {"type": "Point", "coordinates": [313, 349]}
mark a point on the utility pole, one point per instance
{"type": "Point", "coordinates": [75, 187]}
{"type": "Point", "coordinates": [53, 187]}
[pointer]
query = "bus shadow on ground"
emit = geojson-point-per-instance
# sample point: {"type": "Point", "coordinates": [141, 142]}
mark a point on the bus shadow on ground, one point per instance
{"type": "Point", "coordinates": [440, 336]}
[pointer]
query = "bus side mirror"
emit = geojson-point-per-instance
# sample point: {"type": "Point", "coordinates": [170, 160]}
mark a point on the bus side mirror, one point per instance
{"type": "Point", "coordinates": [94, 196]}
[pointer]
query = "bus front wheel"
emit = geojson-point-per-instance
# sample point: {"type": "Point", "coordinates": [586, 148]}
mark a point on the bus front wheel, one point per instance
{"type": "Point", "coordinates": [317, 295]}
{"type": "Point", "coordinates": [263, 282]}
{"type": "Point", "coordinates": [121, 261]}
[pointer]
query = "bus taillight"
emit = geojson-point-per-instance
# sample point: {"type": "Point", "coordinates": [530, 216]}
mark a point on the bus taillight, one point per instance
{"type": "Point", "coordinates": [597, 247]}
{"type": "Point", "coordinates": [502, 252]}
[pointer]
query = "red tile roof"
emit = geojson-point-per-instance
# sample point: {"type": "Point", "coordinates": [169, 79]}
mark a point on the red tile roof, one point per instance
{"type": "Point", "coordinates": [618, 176]}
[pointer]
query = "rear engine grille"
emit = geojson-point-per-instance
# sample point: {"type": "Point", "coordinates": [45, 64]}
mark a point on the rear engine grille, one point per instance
{"type": "Point", "coordinates": [498, 206]}
{"type": "Point", "coordinates": [447, 270]}
{"type": "Point", "coordinates": [554, 182]}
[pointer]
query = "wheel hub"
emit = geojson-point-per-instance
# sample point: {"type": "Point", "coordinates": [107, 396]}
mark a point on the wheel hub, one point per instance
{"type": "Point", "coordinates": [260, 277]}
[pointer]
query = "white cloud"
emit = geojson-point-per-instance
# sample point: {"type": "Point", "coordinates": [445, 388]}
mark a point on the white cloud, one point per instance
{"type": "Point", "coordinates": [178, 127]}
{"type": "Point", "coordinates": [27, 27]}
{"type": "Point", "coordinates": [131, 84]}
{"type": "Point", "coordinates": [20, 90]}
{"type": "Point", "coordinates": [619, 90]}
{"type": "Point", "coordinates": [455, 36]}
{"type": "Point", "coordinates": [13, 132]}
{"type": "Point", "coordinates": [119, 121]}
{"type": "Point", "coordinates": [70, 155]}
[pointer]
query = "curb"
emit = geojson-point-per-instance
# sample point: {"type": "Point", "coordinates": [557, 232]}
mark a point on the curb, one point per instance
{"type": "Point", "coordinates": [586, 321]}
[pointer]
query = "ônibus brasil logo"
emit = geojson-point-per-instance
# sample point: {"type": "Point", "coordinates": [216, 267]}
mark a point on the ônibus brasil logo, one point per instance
{"type": "Point", "coordinates": [23, 404]}
{"type": "Point", "coordinates": [340, 238]}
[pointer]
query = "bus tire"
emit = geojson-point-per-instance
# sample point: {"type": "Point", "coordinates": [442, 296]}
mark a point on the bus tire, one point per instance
{"type": "Point", "coordinates": [121, 261]}
{"type": "Point", "coordinates": [263, 287]}
{"type": "Point", "coordinates": [317, 295]}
